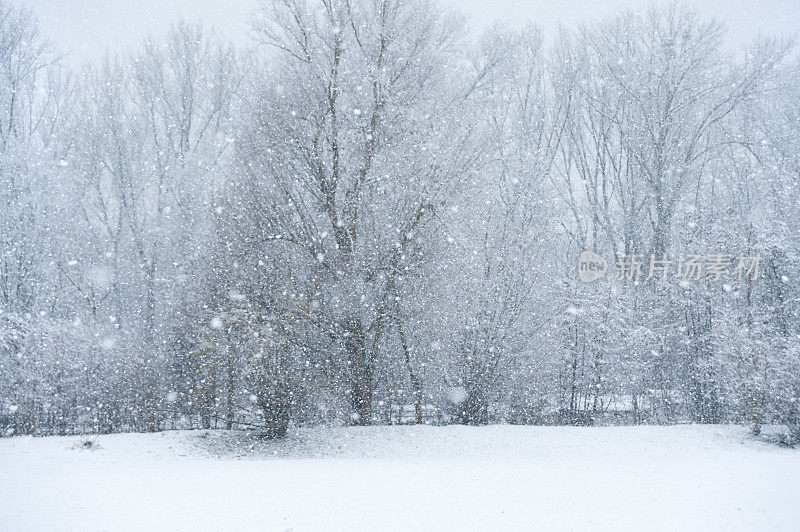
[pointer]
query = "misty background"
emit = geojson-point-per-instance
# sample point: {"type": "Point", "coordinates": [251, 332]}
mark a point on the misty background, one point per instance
{"type": "Point", "coordinates": [87, 28]}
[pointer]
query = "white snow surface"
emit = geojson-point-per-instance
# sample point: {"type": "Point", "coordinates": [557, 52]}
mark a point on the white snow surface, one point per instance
{"type": "Point", "coordinates": [404, 478]}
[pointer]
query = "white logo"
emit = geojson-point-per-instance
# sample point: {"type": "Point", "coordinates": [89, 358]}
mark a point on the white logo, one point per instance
{"type": "Point", "coordinates": [591, 267]}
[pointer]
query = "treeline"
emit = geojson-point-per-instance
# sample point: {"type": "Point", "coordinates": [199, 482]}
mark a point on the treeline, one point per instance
{"type": "Point", "coordinates": [372, 217]}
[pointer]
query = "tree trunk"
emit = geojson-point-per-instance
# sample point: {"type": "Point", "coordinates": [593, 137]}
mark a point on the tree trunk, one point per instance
{"type": "Point", "coordinates": [475, 409]}
{"type": "Point", "coordinates": [360, 375]}
{"type": "Point", "coordinates": [230, 389]}
{"type": "Point", "coordinates": [276, 405]}
{"type": "Point", "coordinates": [416, 385]}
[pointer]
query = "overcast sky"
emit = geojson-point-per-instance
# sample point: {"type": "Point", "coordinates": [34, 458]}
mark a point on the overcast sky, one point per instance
{"type": "Point", "coordinates": [86, 28]}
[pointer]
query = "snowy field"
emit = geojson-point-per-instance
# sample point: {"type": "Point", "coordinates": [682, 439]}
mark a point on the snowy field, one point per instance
{"type": "Point", "coordinates": [404, 478]}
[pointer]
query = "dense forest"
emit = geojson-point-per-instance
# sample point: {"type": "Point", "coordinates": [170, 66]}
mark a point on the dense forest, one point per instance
{"type": "Point", "coordinates": [374, 215]}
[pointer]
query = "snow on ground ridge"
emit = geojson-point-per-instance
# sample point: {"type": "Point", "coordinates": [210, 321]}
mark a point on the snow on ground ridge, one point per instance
{"type": "Point", "coordinates": [404, 478]}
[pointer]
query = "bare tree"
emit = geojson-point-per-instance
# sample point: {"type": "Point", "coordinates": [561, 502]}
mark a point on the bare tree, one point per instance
{"type": "Point", "coordinates": [347, 155]}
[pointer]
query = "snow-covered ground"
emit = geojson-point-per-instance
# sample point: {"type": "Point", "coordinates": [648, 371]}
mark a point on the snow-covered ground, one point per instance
{"type": "Point", "coordinates": [404, 478]}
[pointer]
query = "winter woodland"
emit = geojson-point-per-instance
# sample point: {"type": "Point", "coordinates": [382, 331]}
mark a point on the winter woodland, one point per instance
{"type": "Point", "coordinates": [373, 216]}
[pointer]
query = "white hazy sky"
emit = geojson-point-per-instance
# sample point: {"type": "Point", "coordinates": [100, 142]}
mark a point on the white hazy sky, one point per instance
{"type": "Point", "coordinates": [86, 28]}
